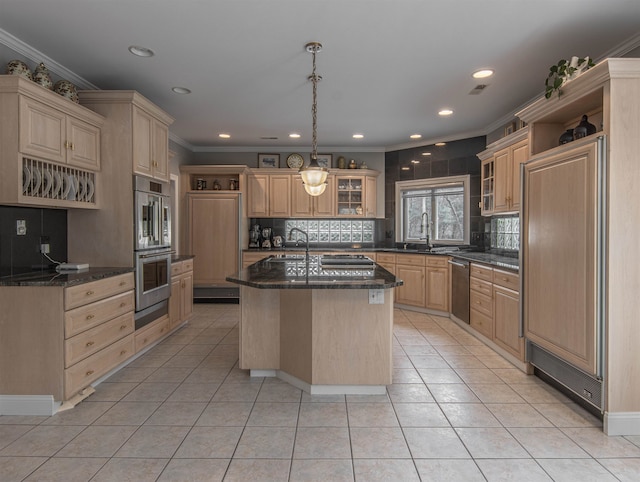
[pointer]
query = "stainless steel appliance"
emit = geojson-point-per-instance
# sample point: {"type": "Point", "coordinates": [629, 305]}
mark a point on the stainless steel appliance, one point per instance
{"type": "Point", "coordinates": [152, 214]}
{"type": "Point", "coordinates": [460, 289]}
{"type": "Point", "coordinates": [152, 248]}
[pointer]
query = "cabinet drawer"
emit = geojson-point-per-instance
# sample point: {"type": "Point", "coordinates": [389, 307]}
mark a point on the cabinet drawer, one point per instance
{"type": "Point", "coordinates": [411, 259]}
{"type": "Point", "coordinates": [152, 332]}
{"type": "Point", "coordinates": [439, 261]}
{"type": "Point", "coordinates": [176, 269]}
{"type": "Point", "coordinates": [482, 323]}
{"type": "Point", "coordinates": [85, 317]}
{"type": "Point", "coordinates": [480, 286]}
{"type": "Point", "coordinates": [187, 265]}
{"type": "Point", "coordinates": [96, 290]}
{"type": "Point", "coordinates": [481, 303]}
{"type": "Point", "coordinates": [385, 258]}
{"type": "Point", "coordinates": [506, 279]}
{"type": "Point", "coordinates": [95, 339]}
{"type": "Point", "coordinates": [481, 272]}
{"type": "Point", "coordinates": [83, 373]}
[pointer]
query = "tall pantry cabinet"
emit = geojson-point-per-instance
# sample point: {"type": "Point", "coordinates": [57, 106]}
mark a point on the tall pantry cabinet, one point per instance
{"type": "Point", "coordinates": [134, 141]}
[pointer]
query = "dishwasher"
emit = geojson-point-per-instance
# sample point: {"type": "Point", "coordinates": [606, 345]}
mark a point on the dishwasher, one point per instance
{"type": "Point", "coordinates": [460, 289]}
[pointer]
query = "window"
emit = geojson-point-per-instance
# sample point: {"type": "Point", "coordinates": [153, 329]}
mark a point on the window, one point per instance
{"type": "Point", "coordinates": [438, 207]}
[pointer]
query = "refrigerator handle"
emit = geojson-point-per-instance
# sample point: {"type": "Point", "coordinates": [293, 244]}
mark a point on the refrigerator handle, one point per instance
{"type": "Point", "coordinates": [520, 257]}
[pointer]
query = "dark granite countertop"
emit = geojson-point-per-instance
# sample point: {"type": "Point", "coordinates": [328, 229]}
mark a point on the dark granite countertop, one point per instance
{"type": "Point", "coordinates": [298, 274]}
{"type": "Point", "coordinates": [492, 259]}
{"type": "Point", "coordinates": [176, 258]}
{"type": "Point", "coordinates": [64, 279]}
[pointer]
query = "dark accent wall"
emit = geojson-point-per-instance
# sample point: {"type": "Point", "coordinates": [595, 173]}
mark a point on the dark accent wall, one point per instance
{"type": "Point", "coordinates": [20, 253]}
{"type": "Point", "coordinates": [456, 158]}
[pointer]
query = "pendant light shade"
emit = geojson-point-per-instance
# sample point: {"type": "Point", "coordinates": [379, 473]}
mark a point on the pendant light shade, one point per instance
{"type": "Point", "coordinates": [315, 190]}
{"type": "Point", "coordinates": [313, 176]}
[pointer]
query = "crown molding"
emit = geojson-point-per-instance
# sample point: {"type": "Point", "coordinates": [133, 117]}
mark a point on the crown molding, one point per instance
{"type": "Point", "coordinates": [290, 148]}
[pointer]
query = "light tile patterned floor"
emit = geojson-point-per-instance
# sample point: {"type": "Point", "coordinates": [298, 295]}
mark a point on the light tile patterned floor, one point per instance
{"type": "Point", "coordinates": [184, 411]}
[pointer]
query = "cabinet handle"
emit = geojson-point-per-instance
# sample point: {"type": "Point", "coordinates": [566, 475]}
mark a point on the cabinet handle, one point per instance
{"type": "Point", "coordinates": [90, 317]}
{"type": "Point", "coordinates": [123, 327]}
{"type": "Point", "coordinates": [73, 147]}
{"type": "Point", "coordinates": [89, 343]}
{"type": "Point", "coordinates": [123, 304]}
{"type": "Point", "coordinates": [66, 144]}
{"type": "Point", "coordinates": [122, 283]}
{"type": "Point", "coordinates": [478, 303]}
{"type": "Point", "coordinates": [90, 372]}
{"type": "Point", "coordinates": [123, 352]}
{"type": "Point", "coordinates": [89, 293]}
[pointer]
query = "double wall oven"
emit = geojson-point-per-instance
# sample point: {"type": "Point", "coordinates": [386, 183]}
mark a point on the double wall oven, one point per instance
{"type": "Point", "coordinates": [152, 249]}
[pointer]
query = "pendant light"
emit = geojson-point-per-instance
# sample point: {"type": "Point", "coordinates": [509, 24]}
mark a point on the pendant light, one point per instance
{"type": "Point", "coordinates": [313, 176]}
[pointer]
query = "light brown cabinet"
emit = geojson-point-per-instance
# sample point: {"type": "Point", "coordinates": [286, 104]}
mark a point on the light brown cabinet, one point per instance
{"type": "Point", "coordinates": [269, 195]}
{"type": "Point", "coordinates": [46, 141]}
{"type": "Point", "coordinates": [181, 299]}
{"type": "Point", "coordinates": [249, 258]}
{"type": "Point", "coordinates": [437, 279]}
{"type": "Point", "coordinates": [500, 171]}
{"type": "Point", "coordinates": [425, 278]}
{"type": "Point", "coordinates": [494, 304]}
{"type": "Point", "coordinates": [304, 205]}
{"type": "Point", "coordinates": [58, 340]}
{"type": "Point", "coordinates": [356, 195]}
{"type": "Point", "coordinates": [213, 236]}
{"type": "Point", "coordinates": [150, 145]}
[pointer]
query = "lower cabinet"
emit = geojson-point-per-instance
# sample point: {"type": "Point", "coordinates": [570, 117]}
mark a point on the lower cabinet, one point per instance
{"type": "Point", "coordinates": [152, 332]}
{"type": "Point", "coordinates": [181, 300]}
{"type": "Point", "coordinates": [410, 268]}
{"type": "Point", "coordinates": [58, 340]}
{"type": "Point", "coordinates": [494, 303]}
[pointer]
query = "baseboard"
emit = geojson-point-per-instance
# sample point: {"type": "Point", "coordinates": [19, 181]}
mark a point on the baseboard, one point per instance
{"type": "Point", "coordinates": [28, 405]}
{"type": "Point", "coordinates": [332, 389]}
{"type": "Point", "coordinates": [622, 423]}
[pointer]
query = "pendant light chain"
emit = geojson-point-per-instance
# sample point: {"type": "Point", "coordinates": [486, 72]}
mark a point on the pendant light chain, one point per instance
{"type": "Point", "coordinates": [314, 109]}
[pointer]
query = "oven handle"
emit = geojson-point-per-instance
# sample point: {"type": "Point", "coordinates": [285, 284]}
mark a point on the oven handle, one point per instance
{"type": "Point", "coordinates": [461, 265]}
{"type": "Point", "coordinates": [156, 255]}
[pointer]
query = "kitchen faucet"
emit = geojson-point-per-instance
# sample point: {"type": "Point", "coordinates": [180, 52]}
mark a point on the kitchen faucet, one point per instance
{"type": "Point", "coordinates": [428, 225]}
{"type": "Point", "coordinates": [306, 237]}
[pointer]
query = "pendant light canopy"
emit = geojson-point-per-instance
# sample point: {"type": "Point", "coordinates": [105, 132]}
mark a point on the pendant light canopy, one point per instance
{"type": "Point", "coordinates": [313, 176]}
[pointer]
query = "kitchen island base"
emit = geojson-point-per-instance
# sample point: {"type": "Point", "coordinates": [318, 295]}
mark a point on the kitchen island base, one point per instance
{"type": "Point", "coordinates": [324, 341]}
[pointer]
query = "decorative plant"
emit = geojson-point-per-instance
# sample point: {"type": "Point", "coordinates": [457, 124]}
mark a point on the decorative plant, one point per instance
{"type": "Point", "coordinates": [563, 71]}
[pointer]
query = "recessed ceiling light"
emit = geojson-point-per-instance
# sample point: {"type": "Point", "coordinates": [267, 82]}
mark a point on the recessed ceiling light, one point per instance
{"type": "Point", "coordinates": [294, 135]}
{"type": "Point", "coordinates": [415, 136]}
{"type": "Point", "coordinates": [426, 153]}
{"type": "Point", "coordinates": [358, 136]}
{"type": "Point", "coordinates": [224, 136]}
{"type": "Point", "coordinates": [405, 168]}
{"type": "Point", "coordinates": [482, 74]}
{"type": "Point", "coordinates": [415, 161]}
{"type": "Point", "coordinates": [181, 90]}
{"type": "Point", "coordinates": [445, 112]}
{"type": "Point", "coordinates": [141, 51]}
{"type": "Point", "coordinates": [439, 144]}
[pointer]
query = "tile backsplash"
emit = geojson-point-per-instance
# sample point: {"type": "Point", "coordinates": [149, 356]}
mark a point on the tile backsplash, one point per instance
{"type": "Point", "coordinates": [505, 232]}
{"type": "Point", "coordinates": [333, 230]}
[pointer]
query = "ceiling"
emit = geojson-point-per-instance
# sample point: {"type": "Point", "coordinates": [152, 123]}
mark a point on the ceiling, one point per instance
{"type": "Point", "coordinates": [388, 66]}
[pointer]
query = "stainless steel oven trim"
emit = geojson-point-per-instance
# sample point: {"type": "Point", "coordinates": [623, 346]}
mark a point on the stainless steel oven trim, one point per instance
{"type": "Point", "coordinates": [144, 299]}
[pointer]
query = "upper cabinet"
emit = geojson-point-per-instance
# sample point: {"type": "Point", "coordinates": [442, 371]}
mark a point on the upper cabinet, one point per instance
{"type": "Point", "coordinates": [500, 173]}
{"type": "Point", "coordinates": [304, 205]}
{"type": "Point", "coordinates": [150, 145]}
{"type": "Point", "coordinates": [274, 194]}
{"type": "Point", "coordinates": [49, 146]}
{"type": "Point", "coordinates": [145, 128]}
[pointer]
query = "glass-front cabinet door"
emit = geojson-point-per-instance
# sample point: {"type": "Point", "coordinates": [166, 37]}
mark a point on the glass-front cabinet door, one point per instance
{"type": "Point", "coordinates": [350, 195]}
{"type": "Point", "coordinates": [488, 186]}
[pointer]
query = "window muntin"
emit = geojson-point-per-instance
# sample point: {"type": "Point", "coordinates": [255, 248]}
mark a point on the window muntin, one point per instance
{"type": "Point", "coordinates": [446, 204]}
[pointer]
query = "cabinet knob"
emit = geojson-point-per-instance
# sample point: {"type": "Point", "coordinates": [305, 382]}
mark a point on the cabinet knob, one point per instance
{"type": "Point", "coordinates": [123, 304]}
{"type": "Point", "coordinates": [122, 283]}
{"type": "Point", "coordinates": [89, 293]}
{"type": "Point", "coordinates": [123, 352]}
{"type": "Point", "coordinates": [73, 147]}
{"type": "Point", "coordinates": [90, 317]}
{"type": "Point", "coordinates": [122, 327]}
{"type": "Point", "coordinates": [89, 343]}
{"type": "Point", "coordinates": [90, 372]}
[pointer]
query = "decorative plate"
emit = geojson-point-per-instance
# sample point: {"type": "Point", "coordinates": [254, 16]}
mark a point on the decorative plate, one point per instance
{"type": "Point", "coordinates": [295, 161]}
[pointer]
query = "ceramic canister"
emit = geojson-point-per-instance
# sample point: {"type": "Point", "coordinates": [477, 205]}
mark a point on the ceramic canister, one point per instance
{"type": "Point", "coordinates": [41, 76]}
{"type": "Point", "coordinates": [18, 67]}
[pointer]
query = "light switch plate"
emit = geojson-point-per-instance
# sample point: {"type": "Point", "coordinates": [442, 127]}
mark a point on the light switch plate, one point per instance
{"type": "Point", "coordinates": [376, 297]}
{"type": "Point", "coordinates": [21, 227]}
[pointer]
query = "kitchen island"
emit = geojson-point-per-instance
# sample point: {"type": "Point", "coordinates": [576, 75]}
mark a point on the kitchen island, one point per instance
{"type": "Point", "coordinates": [321, 323]}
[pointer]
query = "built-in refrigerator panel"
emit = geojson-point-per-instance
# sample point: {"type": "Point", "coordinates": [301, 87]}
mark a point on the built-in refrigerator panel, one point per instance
{"type": "Point", "coordinates": [562, 264]}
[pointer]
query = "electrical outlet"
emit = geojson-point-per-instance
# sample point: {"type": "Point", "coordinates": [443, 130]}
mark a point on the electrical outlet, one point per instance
{"type": "Point", "coordinates": [45, 248]}
{"type": "Point", "coordinates": [21, 227]}
{"type": "Point", "coordinates": [376, 297]}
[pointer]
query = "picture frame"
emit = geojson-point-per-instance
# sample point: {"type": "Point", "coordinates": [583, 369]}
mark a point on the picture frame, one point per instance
{"type": "Point", "coordinates": [521, 124]}
{"type": "Point", "coordinates": [269, 160]}
{"type": "Point", "coordinates": [325, 160]}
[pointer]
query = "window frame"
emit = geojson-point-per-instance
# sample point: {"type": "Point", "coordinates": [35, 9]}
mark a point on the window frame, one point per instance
{"type": "Point", "coordinates": [431, 183]}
